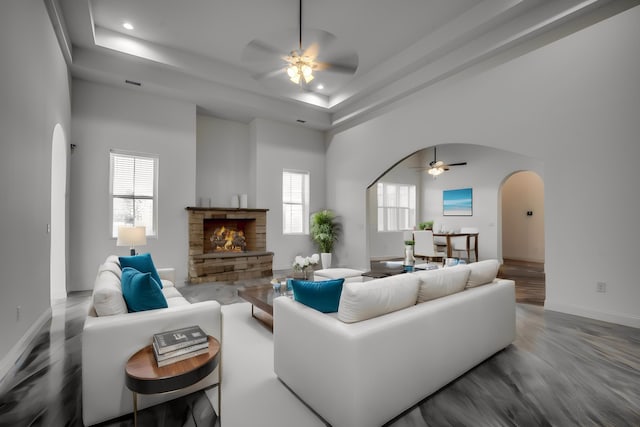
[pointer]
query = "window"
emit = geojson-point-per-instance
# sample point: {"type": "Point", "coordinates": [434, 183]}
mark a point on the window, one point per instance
{"type": "Point", "coordinates": [295, 202]}
{"type": "Point", "coordinates": [396, 207]}
{"type": "Point", "coordinates": [134, 191]}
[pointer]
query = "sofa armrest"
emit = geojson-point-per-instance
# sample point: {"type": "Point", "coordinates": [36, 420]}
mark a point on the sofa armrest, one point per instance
{"type": "Point", "coordinates": [167, 273]}
{"type": "Point", "coordinates": [108, 342]}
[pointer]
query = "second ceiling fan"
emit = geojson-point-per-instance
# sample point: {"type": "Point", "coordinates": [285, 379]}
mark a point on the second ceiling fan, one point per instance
{"type": "Point", "coordinates": [436, 167]}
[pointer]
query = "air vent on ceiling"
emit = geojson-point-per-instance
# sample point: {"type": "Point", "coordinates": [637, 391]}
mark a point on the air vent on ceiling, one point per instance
{"type": "Point", "coordinates": [131, 82]}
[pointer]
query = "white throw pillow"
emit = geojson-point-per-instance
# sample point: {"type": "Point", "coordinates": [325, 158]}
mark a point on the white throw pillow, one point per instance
{"type": "Point", "coordinates": [442, 282]}
{"type": "Point", "coordinates": [364, 300]}
{"type": "Point", "coordinates": [107, 295]}
{"type": "Point", "coordinates": [482, 272]}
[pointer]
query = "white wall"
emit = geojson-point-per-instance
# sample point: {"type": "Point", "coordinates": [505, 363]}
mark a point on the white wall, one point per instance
{"type": "Point", "coordinates": [281, 146]}
{"type": "Point", "coordinates": [571, 104]}
{"type": "Point", "coordinates": [106, 117]}
{"type": "Point", "coordinates": [223, 161]}
{"type": "Point", "coordinates": [34, 97]}
{"type": "Point", "coordinates": [523, 235]}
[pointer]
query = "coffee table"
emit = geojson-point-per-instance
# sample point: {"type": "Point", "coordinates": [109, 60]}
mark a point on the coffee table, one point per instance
{"type": "Point", "coordinates": [261, 297]}
{"type": "Point", "coordinates": [143, 375]}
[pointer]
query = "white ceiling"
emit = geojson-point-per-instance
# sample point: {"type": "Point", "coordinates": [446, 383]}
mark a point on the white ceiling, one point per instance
{"type": "Point", "coordinates": [196, 50]}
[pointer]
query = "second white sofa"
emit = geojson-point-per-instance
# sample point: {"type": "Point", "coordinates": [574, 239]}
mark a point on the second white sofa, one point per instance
{"type": "Point", "coordinates": [386, 350]}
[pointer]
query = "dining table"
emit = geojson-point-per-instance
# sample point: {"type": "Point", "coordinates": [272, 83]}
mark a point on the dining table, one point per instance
{"type": "Point", "coordinates": [468, 236]}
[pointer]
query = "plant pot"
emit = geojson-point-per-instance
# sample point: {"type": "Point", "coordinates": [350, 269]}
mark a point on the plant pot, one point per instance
{"type": "Point", "coordinates": [326, 259]}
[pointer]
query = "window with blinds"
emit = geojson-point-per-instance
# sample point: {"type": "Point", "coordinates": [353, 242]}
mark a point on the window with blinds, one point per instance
{"type": "Point", "coordinates": [295, 202]}
{"type": "Point", "coordinates": [396, 207]}
{"type": "Point", "coordinates": [134, 191]}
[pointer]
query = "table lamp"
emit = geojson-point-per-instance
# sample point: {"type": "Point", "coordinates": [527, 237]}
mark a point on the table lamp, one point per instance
{"type": "Point", "coordinates": [131, 236]}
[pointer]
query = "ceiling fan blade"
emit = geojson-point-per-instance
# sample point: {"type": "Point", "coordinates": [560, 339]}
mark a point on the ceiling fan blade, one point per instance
{"type": "Point", "coordinates": [336, 67]}
{"type": "Point", "coordinates": [458, 164]}
{"type": "Point", "coordinates": [311, 51]}
{"type": "Point", "coordinates": [269, 74]}
{"type": "Point", "coordinates": [263, 48]}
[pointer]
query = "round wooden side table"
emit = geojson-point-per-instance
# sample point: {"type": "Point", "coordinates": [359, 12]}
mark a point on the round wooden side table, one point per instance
{"type": "Point", "coordinates": [143, 375]}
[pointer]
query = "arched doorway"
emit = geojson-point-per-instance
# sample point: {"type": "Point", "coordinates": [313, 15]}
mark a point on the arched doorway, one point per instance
{"type": "Point", "coordinates": [57, 258]}
{"type": "Point", "coordinates": [522, 218]}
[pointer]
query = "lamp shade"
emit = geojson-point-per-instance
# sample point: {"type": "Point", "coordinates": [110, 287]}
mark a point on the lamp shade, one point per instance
{"type": "Point", "coordinates": [131, 236]}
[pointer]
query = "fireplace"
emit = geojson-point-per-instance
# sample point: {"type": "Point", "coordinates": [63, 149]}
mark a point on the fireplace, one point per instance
{"type": "Point", "coordinates": [222, 235]}
{"type": "Point", "coordinates": [228, 244]}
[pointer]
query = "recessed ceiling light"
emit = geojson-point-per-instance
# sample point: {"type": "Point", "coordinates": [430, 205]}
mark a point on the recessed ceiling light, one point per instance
{"type": "Point", "coordinates": [320, 86]}
{"type": "Point", "coordinates": [128, 26]}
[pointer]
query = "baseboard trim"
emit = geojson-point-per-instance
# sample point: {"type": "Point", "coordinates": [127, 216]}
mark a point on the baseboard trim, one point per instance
{"type": "Point", "coordinates": [11, 361]}
{"type": "Point", "coordinates": [620, 319]}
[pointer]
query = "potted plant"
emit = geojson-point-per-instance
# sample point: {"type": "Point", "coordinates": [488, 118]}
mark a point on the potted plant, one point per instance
{"type": "Point", "coordinates": [324, 232]}
{"type": "Point", "coordinates": [426, 225]}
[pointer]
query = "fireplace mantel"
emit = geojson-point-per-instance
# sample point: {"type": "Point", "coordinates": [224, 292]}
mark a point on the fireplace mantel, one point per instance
{"type": "Point", "coordinates": [210, 263]}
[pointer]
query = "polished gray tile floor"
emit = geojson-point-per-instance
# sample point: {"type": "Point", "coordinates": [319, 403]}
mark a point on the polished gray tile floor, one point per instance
{"type": "Point", "coordinates": [562, 370]}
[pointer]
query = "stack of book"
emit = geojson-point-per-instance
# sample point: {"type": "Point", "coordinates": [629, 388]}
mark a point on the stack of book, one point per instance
{"type": "Point", "coordinates": [180, 344]}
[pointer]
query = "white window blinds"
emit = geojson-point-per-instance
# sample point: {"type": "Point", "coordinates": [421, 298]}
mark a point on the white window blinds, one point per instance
{"type": "Point", "coordinates": [295, 202]}
{"type": "Point", "coordinates": [133, 191]}
{"type": "Point", "coordinates": [396, 206]}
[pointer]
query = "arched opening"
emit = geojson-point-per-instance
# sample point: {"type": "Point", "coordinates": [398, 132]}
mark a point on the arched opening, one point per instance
{"type": "Point", "coordinates": [480, 168]}
{"type": "Point", "coordinates": [522, 229]}
{"type": "Point", "coordinates": [57, 258]}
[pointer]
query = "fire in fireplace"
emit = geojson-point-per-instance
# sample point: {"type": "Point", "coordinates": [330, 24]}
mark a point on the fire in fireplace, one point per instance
{"type": "Point", "coordinates": [228, 235]}
{"type": "Point", "coordinates": [225, 239]}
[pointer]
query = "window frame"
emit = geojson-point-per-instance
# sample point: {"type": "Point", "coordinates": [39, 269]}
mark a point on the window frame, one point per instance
{"type": "Point", "coordinates": [391, 211]}
{"type": "Point", "coordinates": [304, 203]}
{"type": "Point", "coordinates": [153, 233]}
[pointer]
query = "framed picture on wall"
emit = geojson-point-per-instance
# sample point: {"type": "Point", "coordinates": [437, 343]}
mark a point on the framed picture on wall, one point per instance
{"type": "Point", "coordinates": [457, 202]}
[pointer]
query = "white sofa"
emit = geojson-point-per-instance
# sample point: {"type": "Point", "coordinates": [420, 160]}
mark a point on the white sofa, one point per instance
{"type": "Point", "coordinates": [109, 339]}
{"type": "Point", "coordinates": [363, 373]}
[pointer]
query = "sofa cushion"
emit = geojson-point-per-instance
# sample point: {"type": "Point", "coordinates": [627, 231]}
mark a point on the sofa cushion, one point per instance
{"type": "Point", "coordinates": [482, 272]}
{"type": "Point", "coordinates": [141, 291]}
{"type": "Point", "coordinates": [323, 295]}
{"type": "Point", "coordinates": [364, 300]}
{"type": "Point", "coordinates": [444, 281]}
{"type": "Point", "coordinates": [171, 292]}
{"type": "Point", "coordinates": [143, 263]}
{"type": "Point", "coordinates": [107, 295]}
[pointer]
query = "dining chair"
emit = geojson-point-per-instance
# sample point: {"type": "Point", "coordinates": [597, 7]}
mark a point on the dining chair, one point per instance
{"type": "Point", "coordinates": [465, 244]}
{"type": "Point", "coordinates": [425, 247]}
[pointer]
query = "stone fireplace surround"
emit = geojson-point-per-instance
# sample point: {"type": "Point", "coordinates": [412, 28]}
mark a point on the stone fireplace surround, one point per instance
{"type": "Point", "coordinates": [208, 265]}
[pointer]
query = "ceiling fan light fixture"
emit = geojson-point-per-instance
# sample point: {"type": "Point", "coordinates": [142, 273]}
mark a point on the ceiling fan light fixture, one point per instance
{"type": "Point", "coordinates": [307, 72]}
{"type": "Point", "coordinates": [300, 69]}
{"type": "Point", "coordinates": [435, 171]}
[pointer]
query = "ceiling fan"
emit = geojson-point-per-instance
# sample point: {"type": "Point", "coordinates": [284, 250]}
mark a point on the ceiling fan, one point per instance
{"type": "Point", "coordinates": [436, 167]}
{"type": "Point", "coordinates": [300, 64]}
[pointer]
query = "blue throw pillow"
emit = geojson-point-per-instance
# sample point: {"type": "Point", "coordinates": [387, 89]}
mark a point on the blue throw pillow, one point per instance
{"type": "Point", "coordinates": [143, 263]}
{"type": "Point", "coordinates": [324, 296]}
{"type": "Point", "coordinates": [141, 291]}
